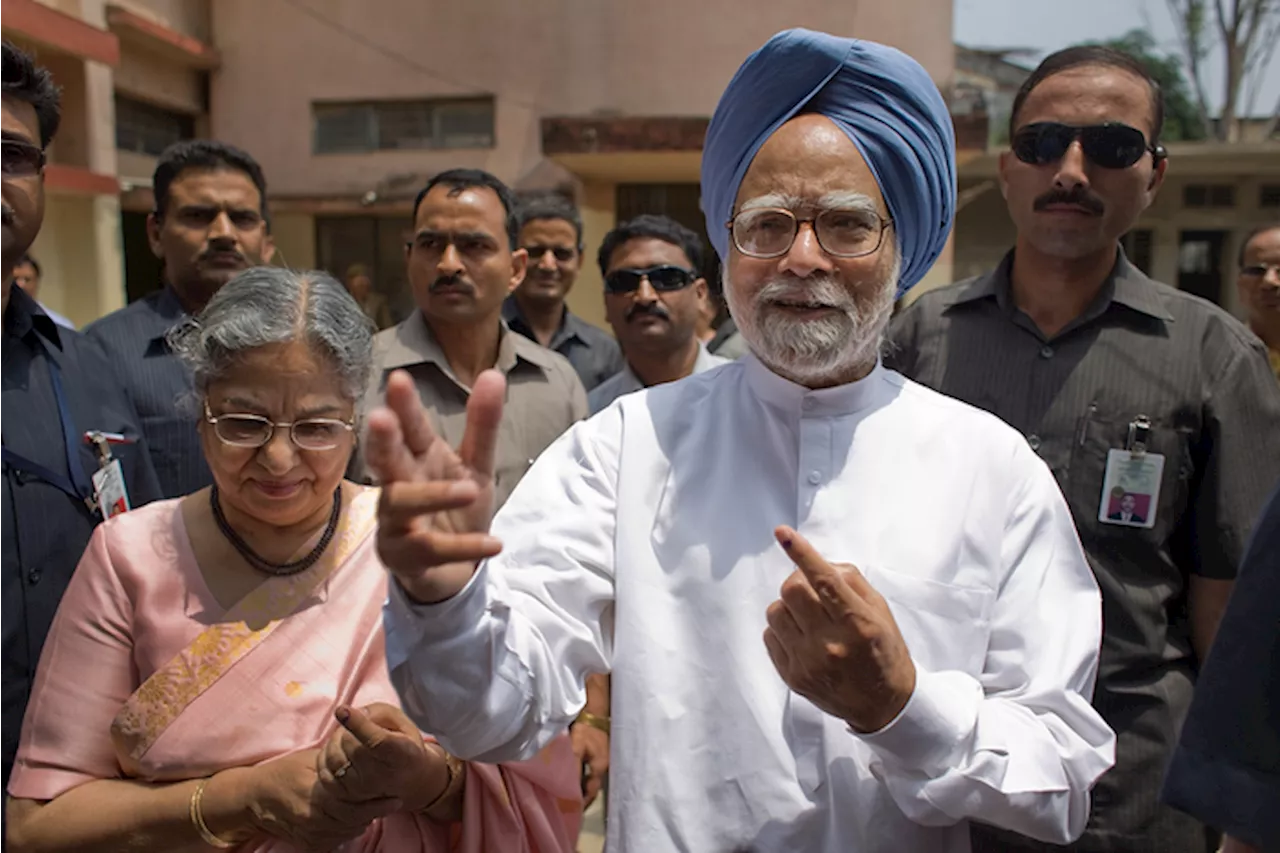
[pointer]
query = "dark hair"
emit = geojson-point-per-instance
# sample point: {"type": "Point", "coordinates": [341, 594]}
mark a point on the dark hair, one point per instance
{"type": "Point", "coordinates": [27, 259]}
{"type": "Point", "coordinates": [458, 180]}
{"type": "Point", "coordinates": [550, 205]}
{"type": "Point", "coordinates": [205, 154]}
{"type": "Point", "coordinates": [33, 84]}
{"type": "Point", "coordinates": [657, 227]}
{"type": "Point", "coordinates": [1092, 55]}
{"type": "Point", "coordinates": [1244, 244]}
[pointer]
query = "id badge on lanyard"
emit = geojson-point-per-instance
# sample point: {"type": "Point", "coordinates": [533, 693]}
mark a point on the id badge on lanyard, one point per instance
{"type": "Point", "coordinates": [108, 481]}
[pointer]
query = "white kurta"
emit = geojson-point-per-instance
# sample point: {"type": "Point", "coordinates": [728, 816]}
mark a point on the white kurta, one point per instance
{"type": "Point", "coordinates": [642, 543]}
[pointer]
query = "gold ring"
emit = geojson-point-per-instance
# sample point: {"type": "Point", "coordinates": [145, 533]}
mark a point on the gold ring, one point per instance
{"type": "Point", "coordinates": [342, 771]}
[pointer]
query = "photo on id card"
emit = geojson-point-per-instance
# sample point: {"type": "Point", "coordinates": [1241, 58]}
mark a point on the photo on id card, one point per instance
{"type": "Point", "coordinates": [1131, 489]}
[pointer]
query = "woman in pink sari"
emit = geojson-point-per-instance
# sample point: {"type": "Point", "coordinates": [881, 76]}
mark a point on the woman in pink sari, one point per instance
{"type": "Point", "coordinates": [216, 673]}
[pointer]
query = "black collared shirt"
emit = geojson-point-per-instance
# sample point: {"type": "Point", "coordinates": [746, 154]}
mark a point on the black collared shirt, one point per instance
{"type": "Point", "coordinates": [593, 353]}
{"type": "Point", "coordinates": [160, 387]}
{"type": "Point", "coordinates": [1142, 348]}
{"type": "Point", "coordinates": [45, 529]}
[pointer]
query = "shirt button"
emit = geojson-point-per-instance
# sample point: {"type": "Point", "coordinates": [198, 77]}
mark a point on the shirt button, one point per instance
{"type": "Point", "coordinates": [815, 477]}
{"type": "Point", "coordinates": [1046, 351]}
{"type": "Point", "coordinates": [1034, 441]}
{"type": "Point", "coordinates": [33, 576]}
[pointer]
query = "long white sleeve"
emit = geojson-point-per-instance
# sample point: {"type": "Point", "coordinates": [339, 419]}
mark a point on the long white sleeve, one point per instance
{"type": "Point", "coordinates": [497, 671]}
{"type": "Point", "coordinates": [1018, 746]}
{"type": "Point", "coordinates": [641, 544]}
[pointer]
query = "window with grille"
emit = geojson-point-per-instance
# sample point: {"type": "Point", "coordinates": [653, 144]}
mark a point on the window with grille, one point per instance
{"type": "Point", "coordinates": [1209, 195]}
{"type": "Point", "coordinates": [396, 125]}
{"type": "Point", "coordinates": [1269, 195]}
{"type": "Point", "coordinates": [146, 129]}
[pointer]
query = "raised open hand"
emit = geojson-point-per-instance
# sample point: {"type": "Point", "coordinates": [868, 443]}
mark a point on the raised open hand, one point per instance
{"type": "Point", "coordinates": [437, 502]}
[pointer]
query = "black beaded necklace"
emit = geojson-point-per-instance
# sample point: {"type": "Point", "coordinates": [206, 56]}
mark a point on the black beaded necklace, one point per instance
{"type": "Point", "coordinates": [279, 569]}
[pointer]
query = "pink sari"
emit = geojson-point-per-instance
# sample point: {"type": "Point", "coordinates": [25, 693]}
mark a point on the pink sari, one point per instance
{"type": "Point", "coordinates": [146, 676]}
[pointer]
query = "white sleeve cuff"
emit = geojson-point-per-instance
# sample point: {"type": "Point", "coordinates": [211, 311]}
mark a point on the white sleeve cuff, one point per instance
{"type": "Point", "coordinates": [410, 625]}
{"type": "Point", "coordinates": [934, 729]}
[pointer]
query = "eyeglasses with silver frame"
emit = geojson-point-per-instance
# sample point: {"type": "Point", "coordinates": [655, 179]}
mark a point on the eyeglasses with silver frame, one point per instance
{"type": "Point", "coordinates": [244, 430]}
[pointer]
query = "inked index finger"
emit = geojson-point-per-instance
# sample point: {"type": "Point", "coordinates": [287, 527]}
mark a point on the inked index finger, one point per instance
{"type": "Point", "coordinates": [835, 594]}
{"type": "Point", "coordinates": [369, 733]}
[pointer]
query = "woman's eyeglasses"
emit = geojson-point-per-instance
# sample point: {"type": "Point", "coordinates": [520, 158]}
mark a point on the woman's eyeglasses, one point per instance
{"type": "Point", "coordinates": [664, 279]}
{"type": "Point", "coordinates": [254, 431]}
{"type": "Point", "coordinates": [1111, 145]}
{"type": "Point", "coordinates": [20, 159]}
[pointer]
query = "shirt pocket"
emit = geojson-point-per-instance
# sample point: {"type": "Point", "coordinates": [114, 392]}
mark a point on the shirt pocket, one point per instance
{"type": "Point", "coordinates": [1101, 433]}
{"type": "Point", "coordinates": [946, 626]}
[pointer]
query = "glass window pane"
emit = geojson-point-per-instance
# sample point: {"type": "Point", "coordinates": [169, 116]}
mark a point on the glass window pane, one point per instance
{"type": "Point", "coordinates": [344, 128]}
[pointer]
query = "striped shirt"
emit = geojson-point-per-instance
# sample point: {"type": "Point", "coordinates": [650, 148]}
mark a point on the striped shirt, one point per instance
{"type": "Point", "coordinates": [134, 340]}
{"type": "Point", "coordinates": [1202, 379]}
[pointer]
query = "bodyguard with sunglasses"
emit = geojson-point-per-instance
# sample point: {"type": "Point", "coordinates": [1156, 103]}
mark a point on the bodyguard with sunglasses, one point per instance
{"type": "Point", "coordinates": [652, 295]}
{"type": "Point", "coordinates": [1122, 385]}
{"type": "Point", "coordinates": [59, 394]}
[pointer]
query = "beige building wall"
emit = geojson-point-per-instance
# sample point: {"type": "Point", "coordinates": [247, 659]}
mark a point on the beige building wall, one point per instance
{"type": "Point", "coordinates": [557, 58]}
{"type": "Point", "coordinates": [80, 242]}
{"type": "Point", "coordinates": [295, 239]}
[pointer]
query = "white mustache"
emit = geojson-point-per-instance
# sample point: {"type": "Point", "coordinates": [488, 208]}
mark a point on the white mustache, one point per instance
{"type": "Point", "coordinates": [822, 291]}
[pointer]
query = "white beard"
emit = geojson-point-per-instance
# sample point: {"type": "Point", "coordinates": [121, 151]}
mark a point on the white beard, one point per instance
{"type": "Point", "coordinates": [816, 352]}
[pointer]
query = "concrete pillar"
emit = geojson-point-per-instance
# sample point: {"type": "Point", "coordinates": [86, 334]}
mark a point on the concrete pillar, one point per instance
{"type": "Point", "coordinates": [599, 215]}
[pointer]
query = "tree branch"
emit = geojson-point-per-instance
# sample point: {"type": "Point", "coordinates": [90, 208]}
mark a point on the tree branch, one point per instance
{"type": "Point", "coordinates": [1188, 20]}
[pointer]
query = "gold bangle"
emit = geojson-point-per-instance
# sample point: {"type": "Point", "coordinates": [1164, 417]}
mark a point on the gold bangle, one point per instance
{"type": "Point", "coordinates": [197, 820]}
{"type": "Point", "coordinates": [596, 722]}
{"type": "Point", "coordinates": [456, 771]}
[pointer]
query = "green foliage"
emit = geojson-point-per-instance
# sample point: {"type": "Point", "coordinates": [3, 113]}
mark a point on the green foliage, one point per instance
{"type": "Point", "coordinates": [1181, 119]}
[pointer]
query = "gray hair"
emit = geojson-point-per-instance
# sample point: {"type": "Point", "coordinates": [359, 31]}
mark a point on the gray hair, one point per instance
{"type": "Point", "coordinates": [272, 305]}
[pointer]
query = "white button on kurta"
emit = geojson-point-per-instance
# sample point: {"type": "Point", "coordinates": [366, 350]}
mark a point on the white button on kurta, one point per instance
{"type": "Point", "coordinates": [642, 543]}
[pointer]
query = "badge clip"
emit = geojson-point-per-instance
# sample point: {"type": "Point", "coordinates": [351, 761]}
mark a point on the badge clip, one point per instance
{"type": "Point", "coordinates": [1139, 435]}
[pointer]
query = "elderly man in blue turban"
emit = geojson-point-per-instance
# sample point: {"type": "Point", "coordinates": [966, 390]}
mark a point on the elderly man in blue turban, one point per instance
{"type": "Point", "coordinates": [841, 612]}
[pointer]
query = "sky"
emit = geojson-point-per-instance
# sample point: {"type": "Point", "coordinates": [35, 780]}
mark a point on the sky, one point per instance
{"type": "Point", "coordinates": [1047, 25]}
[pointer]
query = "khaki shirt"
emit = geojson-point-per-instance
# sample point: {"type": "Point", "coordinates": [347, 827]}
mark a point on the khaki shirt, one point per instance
{"type": "Point", "coordinates": [544, 395]}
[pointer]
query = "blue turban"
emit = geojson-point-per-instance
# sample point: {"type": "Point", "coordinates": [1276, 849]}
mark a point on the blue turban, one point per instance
{"type": "Point", "coordinates": [884, 102]}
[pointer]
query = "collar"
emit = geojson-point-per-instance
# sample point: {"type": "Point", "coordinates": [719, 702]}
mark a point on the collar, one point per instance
{"type": "Point", "coordinates": [570, 327]}
{"type": "Point", "coordinates": [24, 317]}
{"type": "Point", "coordinates": [1125, 285]}
{"type": "Point", "coordinates": [840, 400]}
{"type": "Point", "coordinates": [167, 312]}
{"type": "Point", "coordinates": [412, 343]}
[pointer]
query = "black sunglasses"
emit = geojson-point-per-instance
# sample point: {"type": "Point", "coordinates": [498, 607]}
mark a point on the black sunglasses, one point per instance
{"type": "Point", "coordinates": [20, 159]}
{"type": "Point", "coordinates": [1111, 145]}
{"type": "Point", "coordinates": [664, 279]}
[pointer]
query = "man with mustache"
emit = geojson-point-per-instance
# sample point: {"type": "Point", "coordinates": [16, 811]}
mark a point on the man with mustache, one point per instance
{"type": "Point", "coordinates": [210, 222]}
{"type": "Point", "coordinates": [1259, 286]}
{"type": "Point", "coordinates": [831, 623]}
{"type": "Point", "coordinates": [551, 232]}
{"type": "Point", "coordinates": [463, 262]}
{"type": "Point", "coordinates": [1118, 383]}
{"type": "Point", "coordinates": [58, 387]}
{"type": "Point", "coordinates": [653, 296]}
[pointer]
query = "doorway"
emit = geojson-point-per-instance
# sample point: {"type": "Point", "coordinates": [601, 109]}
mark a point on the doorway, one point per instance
{"type": "Point", "coordinates": [1200, 263]}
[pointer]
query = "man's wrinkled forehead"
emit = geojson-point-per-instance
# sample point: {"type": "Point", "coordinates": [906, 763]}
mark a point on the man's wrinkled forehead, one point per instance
{"type": "Point", "coordinates": [806, 160]}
